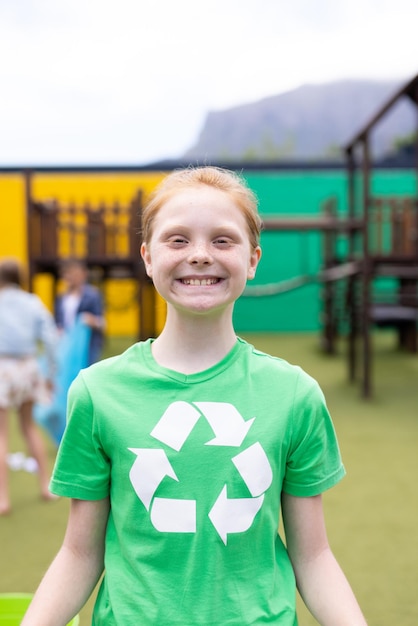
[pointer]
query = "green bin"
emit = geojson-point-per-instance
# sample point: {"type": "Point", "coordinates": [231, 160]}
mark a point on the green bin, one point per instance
{"type": "Point", "coordinates": [13, 607]}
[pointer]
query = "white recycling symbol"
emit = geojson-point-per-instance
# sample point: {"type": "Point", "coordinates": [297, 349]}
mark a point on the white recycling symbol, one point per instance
{"type": "Point", "coordinates": [228, 515]}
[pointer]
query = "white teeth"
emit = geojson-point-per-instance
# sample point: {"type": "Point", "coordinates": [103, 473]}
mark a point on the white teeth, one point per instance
{"type": "Point", "coordinates": [197, 283]}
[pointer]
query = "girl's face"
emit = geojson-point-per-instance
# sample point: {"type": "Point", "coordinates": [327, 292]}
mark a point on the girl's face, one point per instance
{"type": "Point", "coordinates": [199, 255]}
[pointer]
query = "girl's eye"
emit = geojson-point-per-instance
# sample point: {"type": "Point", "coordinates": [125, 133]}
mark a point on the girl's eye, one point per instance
{"type": "Point", "coordinates": [178, 240]}
{"type": "Point", "coordinates": [222, 241]}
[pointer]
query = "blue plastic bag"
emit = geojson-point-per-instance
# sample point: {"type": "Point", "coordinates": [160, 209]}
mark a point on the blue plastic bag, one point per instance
{"type": "Point", "coordinates": [73, 349]}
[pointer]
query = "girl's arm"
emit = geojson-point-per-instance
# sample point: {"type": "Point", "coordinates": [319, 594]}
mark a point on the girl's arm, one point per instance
{"type": "Point", "coordinates": [320, 580]}
{"type": "Point", "coordinates": [75, 571]}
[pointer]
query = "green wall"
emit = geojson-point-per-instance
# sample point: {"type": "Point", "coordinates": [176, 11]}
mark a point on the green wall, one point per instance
{"type": "Point", "coordinates": [286, 255]}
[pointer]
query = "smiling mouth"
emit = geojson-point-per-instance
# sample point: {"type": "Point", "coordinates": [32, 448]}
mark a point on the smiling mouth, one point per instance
{"type": "Point", "coordinates": [196, 282]}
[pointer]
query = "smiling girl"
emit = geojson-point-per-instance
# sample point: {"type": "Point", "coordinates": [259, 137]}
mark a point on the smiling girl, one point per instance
{"type": "Point", "coordinates": [181, 454]}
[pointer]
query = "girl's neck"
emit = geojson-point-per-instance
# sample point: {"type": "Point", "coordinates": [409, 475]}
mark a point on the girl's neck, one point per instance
{"type": "Point", "coordinates": [194, 345]}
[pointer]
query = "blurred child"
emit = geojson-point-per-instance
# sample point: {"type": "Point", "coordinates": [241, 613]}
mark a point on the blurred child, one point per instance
{"type": "Point", "coordinates": [24, 323]}
{"type": "Point", "coordinates": [81, 299]}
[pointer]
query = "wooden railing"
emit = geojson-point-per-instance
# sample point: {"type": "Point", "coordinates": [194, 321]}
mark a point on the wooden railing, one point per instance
{"type": "Point", "coordinates": [393, 227]}
{"type": "Point", "coordinates": [99, 233]}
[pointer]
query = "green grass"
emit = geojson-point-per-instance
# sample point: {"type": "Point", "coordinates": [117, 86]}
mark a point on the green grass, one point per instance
{"type": "Point", "coordinates": [371, 515]}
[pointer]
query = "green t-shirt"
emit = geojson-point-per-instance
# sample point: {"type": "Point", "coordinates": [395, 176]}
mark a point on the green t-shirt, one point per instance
{"type": "Point", "coordinates": [195, 466]}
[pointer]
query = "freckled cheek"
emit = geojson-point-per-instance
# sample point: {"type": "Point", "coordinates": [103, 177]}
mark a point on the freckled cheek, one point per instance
{"type": "Point", "coordinates": [163, 261]}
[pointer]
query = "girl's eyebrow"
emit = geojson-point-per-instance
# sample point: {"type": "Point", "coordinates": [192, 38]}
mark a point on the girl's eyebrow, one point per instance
{"type": "Point", "coordinates": [215, 228]}
{"type": "Point", "coordinates": [172, 229]}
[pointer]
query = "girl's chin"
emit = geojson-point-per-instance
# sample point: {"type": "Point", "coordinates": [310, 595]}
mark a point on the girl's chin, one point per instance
{"type": "Point", "coordinates": [208, 309]}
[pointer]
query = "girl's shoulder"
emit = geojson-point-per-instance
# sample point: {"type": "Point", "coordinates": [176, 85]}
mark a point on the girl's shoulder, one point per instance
{"type": "Point", "coordinates": [269, 364]}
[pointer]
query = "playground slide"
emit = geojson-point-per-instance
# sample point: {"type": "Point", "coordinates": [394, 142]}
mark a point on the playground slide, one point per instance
{"type": "Point", "coordinates": [72, 357]}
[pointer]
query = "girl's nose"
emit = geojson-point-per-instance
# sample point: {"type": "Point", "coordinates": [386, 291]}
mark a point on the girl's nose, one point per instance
{"type": "Point", "coordinates": [200, 254]}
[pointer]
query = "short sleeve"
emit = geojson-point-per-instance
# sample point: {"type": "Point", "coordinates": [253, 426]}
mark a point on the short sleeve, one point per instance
{"type": "Point", "coordinates": [82, 469]}
{"type": "Point", "coordinates": [314, 461]}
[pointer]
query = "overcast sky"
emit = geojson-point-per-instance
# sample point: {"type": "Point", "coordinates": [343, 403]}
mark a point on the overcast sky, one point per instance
{"type": "Point", "coordinates": [131, 81]}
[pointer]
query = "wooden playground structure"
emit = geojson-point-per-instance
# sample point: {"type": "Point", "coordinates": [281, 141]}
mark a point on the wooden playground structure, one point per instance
{"type": "Point", "coordinates": [387, 245]}
{"type": "Point", "coordinates": [106, 237]}
{"type": "Point", "coordinates": [376, 239]}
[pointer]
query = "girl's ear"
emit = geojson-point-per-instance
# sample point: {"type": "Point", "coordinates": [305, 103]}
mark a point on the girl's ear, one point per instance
{"type": "Point", "coordinates": [146, 257]}
{"type": "Point", "coordinates": [254, 260]}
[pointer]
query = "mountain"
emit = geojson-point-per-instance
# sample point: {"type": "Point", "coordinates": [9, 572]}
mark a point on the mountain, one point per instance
{"type": "Point", "coordinates": [311, 122]}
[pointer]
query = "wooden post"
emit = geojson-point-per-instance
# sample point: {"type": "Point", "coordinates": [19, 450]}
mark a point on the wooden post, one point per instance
{"type": "Point", "coordinates": [367, 273]}
{"type": "Point", "coordinates": [352, 280]}
{"type": "Point", "coordinates": [147, 293]}
{"type": "Point", "coordinates": [71, 229]}
{"type": "Point", "coordinates": [96, 233]}
{"type": "Point", "coordinates": [135, 225]}
{"type": "Point", "coordinates": [49, 240]}
{"type": "Point", "coordinates": [330, 319]}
